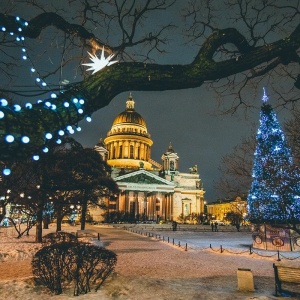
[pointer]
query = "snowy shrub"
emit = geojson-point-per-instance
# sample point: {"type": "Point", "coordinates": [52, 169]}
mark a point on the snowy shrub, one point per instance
{"type": "Point", "coordinates": [86, 266]}
{"type": "Point", "coordinates": [57, 237]}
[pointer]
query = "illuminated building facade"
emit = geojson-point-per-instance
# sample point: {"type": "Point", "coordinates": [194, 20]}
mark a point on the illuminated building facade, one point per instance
{"type": "Point", "coordinates": [148, 190]}
{"type": "Point", "coordinates": [219, 209]}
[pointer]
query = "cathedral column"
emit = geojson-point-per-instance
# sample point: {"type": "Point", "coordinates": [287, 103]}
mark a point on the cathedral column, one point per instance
{"type": "Point", "coordinates": [143, 151]}
{"type": "Point", "coordinates": [126, 149]}
{"type": "Point", "coordinates": [117, 149]}
{"type": "Point", "coordinates": [127, 206]}
{"type": "Point", "coordinates": [121, 204]}
{"type": "Point", "coordinates": [163, 206]}
{"type": "Point", "coordinates": [152, 204]}
{"type": "Point", "coordinates": [136, 201]}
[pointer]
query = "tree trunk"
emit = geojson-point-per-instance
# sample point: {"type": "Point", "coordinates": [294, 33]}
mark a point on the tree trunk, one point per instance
{"type": "Point", "coordinates": [59, 220]}
{"type": "Point", "coordinates": [46, 222]}
{"type": "Point", "coordinates": [39, 224]}
{"type": "Point", "coordinates": [83, 215]}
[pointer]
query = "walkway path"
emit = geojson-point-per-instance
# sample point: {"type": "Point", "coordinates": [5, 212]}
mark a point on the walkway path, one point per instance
{"type": "Point", "coordinates": [151, 269]}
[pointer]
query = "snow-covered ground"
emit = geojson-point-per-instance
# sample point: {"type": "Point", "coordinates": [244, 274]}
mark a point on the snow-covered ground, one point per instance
{"type": "Point", "coordinates": [150, 268]}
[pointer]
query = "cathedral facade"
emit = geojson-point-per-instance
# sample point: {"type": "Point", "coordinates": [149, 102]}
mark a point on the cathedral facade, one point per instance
{"type": "Point", "coordinates": [148, 190]}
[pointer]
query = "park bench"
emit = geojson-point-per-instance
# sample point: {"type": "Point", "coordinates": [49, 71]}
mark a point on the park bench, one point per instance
{"type": "Point", "coordinates": [289, 276]}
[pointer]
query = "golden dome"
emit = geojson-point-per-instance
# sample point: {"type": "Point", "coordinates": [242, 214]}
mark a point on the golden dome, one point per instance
{"type": "Point", "coordinates": [128, 141]}
{"type": "Point", "coordinates": [129, 115]}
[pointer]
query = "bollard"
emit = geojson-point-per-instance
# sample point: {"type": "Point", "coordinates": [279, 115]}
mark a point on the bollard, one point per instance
{"type": "Point", "coordinates": [179, 244]}
{"type": "Point", "coordinates": [278, 256]}
{"type": "Point", "coordinates": [168, 239]}
{"type": "Point", "coordinates": [185, 247]}
{"type": "Point", "coordinates": [221, 249]}
{"type": "Point", "coordinates": [173, 241]}
{"type": "Point", "coordinates": [98, 236]}
{"type": "Point", "coordinates": [245, 280]}
{"type": "Point", "coordinates": [251, 250]}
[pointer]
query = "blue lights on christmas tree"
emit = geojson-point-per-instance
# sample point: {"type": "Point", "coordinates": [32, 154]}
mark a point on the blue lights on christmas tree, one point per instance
{"type": "Point", "coordinates": [274, 194]}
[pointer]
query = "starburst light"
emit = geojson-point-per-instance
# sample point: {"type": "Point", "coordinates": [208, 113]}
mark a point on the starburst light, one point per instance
{"type": "Point", "coordinates": [99, 63]}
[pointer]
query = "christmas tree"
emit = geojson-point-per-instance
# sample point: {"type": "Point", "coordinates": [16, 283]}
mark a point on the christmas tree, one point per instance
{"type": "Point", "coordinates": [274, 194]}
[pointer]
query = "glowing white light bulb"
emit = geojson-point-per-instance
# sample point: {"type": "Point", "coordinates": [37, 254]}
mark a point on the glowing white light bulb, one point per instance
{"type": "Point", "coordinates": [17, 107]}
{"type": "Point", "coordinates": [66, 104]}
{"type": "Point", "coordinates": [25, 139]}
{"type": "Point", "coordinates": [3, 102]}
{"type": "Point", "coordinates": [9, 138]}
{"type": "Point", "coordinates": [88, 119]}
{"type": "Point", "coordinates": [6, 171]}
{"type": "Point", "coordinates": [1, 114]}
{"type": "Point", "coordinates": [48, 136]}
{"type": "Point", "coordinates": [35, 157]}
{"type": "Point", "coordinates": [45, 149]}
{"type": "Point", "coordinates": [61, 132]}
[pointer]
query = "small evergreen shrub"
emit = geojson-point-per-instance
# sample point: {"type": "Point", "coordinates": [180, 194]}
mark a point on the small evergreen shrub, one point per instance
{"type": "Point", "coordinates": [85, 266]}
{"type": "Point", "coordinates": [58, 237]}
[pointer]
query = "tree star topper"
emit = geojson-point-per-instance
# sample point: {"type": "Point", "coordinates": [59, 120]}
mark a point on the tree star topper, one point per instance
{"type": "Point", "coordinates": [98, 64]}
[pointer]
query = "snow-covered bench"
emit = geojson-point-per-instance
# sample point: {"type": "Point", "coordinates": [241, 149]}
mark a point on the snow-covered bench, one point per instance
{"type": "Point", "coordinates": [289, 276]}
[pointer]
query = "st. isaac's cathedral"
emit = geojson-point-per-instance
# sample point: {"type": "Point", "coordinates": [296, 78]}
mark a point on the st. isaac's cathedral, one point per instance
{"type": "Point", "coordinates": [148, 189]}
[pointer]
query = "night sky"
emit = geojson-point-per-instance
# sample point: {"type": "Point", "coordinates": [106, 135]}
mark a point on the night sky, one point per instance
{"type": "Point", "coordinates": [188, 119]}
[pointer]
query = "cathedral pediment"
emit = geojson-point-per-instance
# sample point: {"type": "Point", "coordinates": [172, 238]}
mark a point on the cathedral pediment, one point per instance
{"type": "Point", "coordinates": [143, 176]}
{"type": "Point", "coordinates": [144, 180]}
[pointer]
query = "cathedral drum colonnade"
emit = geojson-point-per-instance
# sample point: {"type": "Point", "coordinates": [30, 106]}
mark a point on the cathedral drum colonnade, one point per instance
{"type": "Point", "coordinates": [148, 189]}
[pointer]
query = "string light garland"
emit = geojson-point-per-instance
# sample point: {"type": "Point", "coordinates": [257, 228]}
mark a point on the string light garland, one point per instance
{"type": "Point", "coordinates": [43, 110]}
